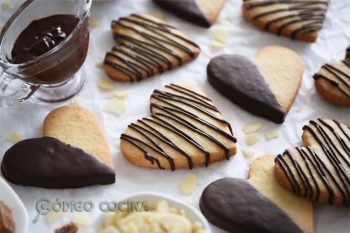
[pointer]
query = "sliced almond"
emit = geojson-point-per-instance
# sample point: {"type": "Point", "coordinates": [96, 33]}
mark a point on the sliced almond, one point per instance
{"type": "Point", "coordinates": [220, 35]}
{"type": "Point", "coordinates": [93, 22]}
{"type": "Point", "coordinates": [14, 137]}
{"type": "Point", "coordinates": [272, 134]}
{"type": "Point", "coordinates": [252, 127]}
{"type": "Point", "coordinates": [5, 5]}
{"type": "Point", "coordinates": [216, 45]}
{"type": "Point", "coordinates": [121, 94]}
{"type": "Point", "coordinates": [99, 65]}
{"type": "Point", "coordinates": [252, 139]}
{"type": "Point", "coordinates": [189, 184]}
{"type": "Point", "coordinates": [115, 106]}
{"type": "Point", "coordinates": [247, 153]}
{"type": "Point", "coordinates": [53, 216]}
{"type": "Point", "coordinates": [81, 219]}
{"type": "Point", "coordinates": [158, 14]}
{"type": "Point", "coordinates": [106, 84]}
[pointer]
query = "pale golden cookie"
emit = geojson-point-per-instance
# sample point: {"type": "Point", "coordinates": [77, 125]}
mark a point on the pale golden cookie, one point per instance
{"type": "Point", "coordinates": [185, 130]}
{"type": "Point", "coordinates": [333, 81]}
{"type": "Point", "coordinates": [146, 46]}
{"type": "Point", "coordinates": [320, 171]}
{"type": "Point", "coordinates": [301, 20]}
{"type": "Point", "coordinates": [80, 128]}
{"type": "Point", "coordinates": [261, 176]}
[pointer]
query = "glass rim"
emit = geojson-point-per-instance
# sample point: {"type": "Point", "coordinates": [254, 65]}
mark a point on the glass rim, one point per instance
{"type": "Point", "coordinates": [4, 63]}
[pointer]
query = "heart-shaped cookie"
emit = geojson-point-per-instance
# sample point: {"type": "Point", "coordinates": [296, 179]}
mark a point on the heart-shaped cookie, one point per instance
{"type": "Point", "coordinates": [320, 171]}
{"type": "Point", "coordinates": [49, 163]}
{"type": "Point", "coordinates": [267, 88]}
{"type": "Point", "coordinates": [333, 81]}
{"type": "Point", "coordinates": [185, 130]}
{"type": "Point", "coordinates": [261, 176]}
{"type": "Point", "coordinates": [201, 12]}
{"type": "Point", "coordinates": [236, 206]}
{"type": "Point", "coordinates": [80, 128]}
{"type": "Point", "coordinates": [146, 46]}
{"type": "Point", "coordinates": [301, 20]}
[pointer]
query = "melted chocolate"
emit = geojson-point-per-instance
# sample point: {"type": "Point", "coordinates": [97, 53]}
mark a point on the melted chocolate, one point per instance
{"type": "Point", "coordinates": [49, 163]}
{"type": "Point", "coordinates": [186, 9]}
{"type": "Point", "coordinates": [342, 82]}
{"type": "Point", "coordinates": [167, 110]}
{"type": "Point", "coordinates": [331, 154]}
{"type": "Point", "coordinates": [308, 14]}
{"type": "Point", "coordinates": [140, 58]}
{"type": "Point", "coordinates": [41, 36]}
{"type": "Point", "coordinates": [239, 80]}
{"type": "Point", "coordinates": [236, 206]}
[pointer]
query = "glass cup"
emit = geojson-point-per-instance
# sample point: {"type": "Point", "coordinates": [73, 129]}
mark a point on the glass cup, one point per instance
{"type": "Point", "coordinates": [52, 76]}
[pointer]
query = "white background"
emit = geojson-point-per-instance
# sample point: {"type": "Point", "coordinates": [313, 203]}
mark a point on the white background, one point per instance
{"type": "Point", "coordinates": [243, 39]}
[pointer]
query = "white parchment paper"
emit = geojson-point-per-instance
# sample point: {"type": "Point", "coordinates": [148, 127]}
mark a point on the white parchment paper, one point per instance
{"type": "Point", "coordinates": [243, 39]}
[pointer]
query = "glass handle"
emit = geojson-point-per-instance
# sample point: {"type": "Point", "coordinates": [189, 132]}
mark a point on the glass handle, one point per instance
{"type": "Point", "coordinates": [14, 91]}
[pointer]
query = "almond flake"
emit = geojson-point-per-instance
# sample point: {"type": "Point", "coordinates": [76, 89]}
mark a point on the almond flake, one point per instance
{"type": "Point", "coordinates": [121, 94]}
{"type": "Point", "coordinates": [5, 5]}
{"type": "Point", "coordinates": [252, 127]}
{"type": "Point", "coordinates": [81, 219]}
{"type": "Point", "coordinates": [53, 216]}
{"type": "Point", "coordinates": [99, 65]}
{"type": "Point", "coordinates": [220, 35]}
{"type": "Point", "coordinates": [247, 153]}
{"type": "Point", "coordinates": [115, 106]}
{"type": "Point", "coordinates": [215, 45]}
{"type": "Point", "coordinates": [189, 184]}
{"type": "Point", "coordinates": [93, 22]}
{"type": "Point", "coordinates": [271, 134]}
{"type": "Point", "coordinates": [158, 14]}
{"type": "Point", "coordinates": [252, 138]}
{"type": "Point", "coordinates": [14, 137]}
{"type": "Point", "coordinates": [106, 84]}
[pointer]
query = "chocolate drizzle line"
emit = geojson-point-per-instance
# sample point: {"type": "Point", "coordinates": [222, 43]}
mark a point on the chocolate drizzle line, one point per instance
{"type": "Point", "coordinates": [342, 79]}
{"type": "Point", "coordinates": [333, 146]}
{"type": "Point", "coordinates": [139, 58]}
{"type": "Point", "coordinates": [308, 13]}
{"type": "Point", "coordinates": [170, 111]}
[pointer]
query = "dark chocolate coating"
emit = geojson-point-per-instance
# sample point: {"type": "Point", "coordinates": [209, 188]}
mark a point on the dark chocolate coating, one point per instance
{"type": "Point", "coordinates": [236, 206]}
{"type": "Point", "coordinates": [238, 79]}
{"type": "Point", "coordinates": [47, 162]}
{"type": "Point", "coordinates": [186, 9]}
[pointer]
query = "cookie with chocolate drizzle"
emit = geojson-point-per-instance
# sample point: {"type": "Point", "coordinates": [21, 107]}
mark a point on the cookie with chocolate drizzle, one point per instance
{"type": "Point", "coordinates": [320, 171]}
{"type": "Point", "coordinates": [333, 81]}
{"type": "Point", "coordinates": [146, 46]}
{"type": "Point", "coordinates": [185, 130]}
{"type": "Point", "coordinates": [296, 19]}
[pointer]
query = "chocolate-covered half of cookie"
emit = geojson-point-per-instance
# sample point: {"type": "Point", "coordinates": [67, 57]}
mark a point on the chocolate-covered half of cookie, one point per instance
{"type": "Point", "coordinates": [301, 20]}
{"type": "Point", "coordinates": [321, 170]}
{"type": "Point", "coordinates": [234, 205]}
{"type": "Point", "coordinates": [267, 88]}
{"type": "Point", "coordinates": [146, 46]}
{"type": "Point", "coordinates": [185, 130]}
{"type": "Point", "coordinates": [47, 162]}
{"type": "Point", "coordinates": [201, 12]}
{"type": "Point", "coordinates": [333, 81]}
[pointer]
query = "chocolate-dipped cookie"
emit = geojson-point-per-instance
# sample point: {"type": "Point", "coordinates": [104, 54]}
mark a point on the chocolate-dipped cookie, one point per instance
{"type": "Point", "coordinates": [333, 81]}
{"type": "Point", "coordinates": [301, 20]}
{"type": "Point", "coordinates": [49, 163]}
{"type": "Point", "coordinates": [201, 12]}
{"type": "Point", "coordinates": [267, 88]}
{"type": "Point", "coordinates": [185, 130]}
{"type": "Point", "coordinates": [320, 171]}
{"type": "Point", "coordinates": [261, 175]}
{"type": "Point", "coordinates": [234, 205]}
{"type": "Point", "coordinates": [146, 46]}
